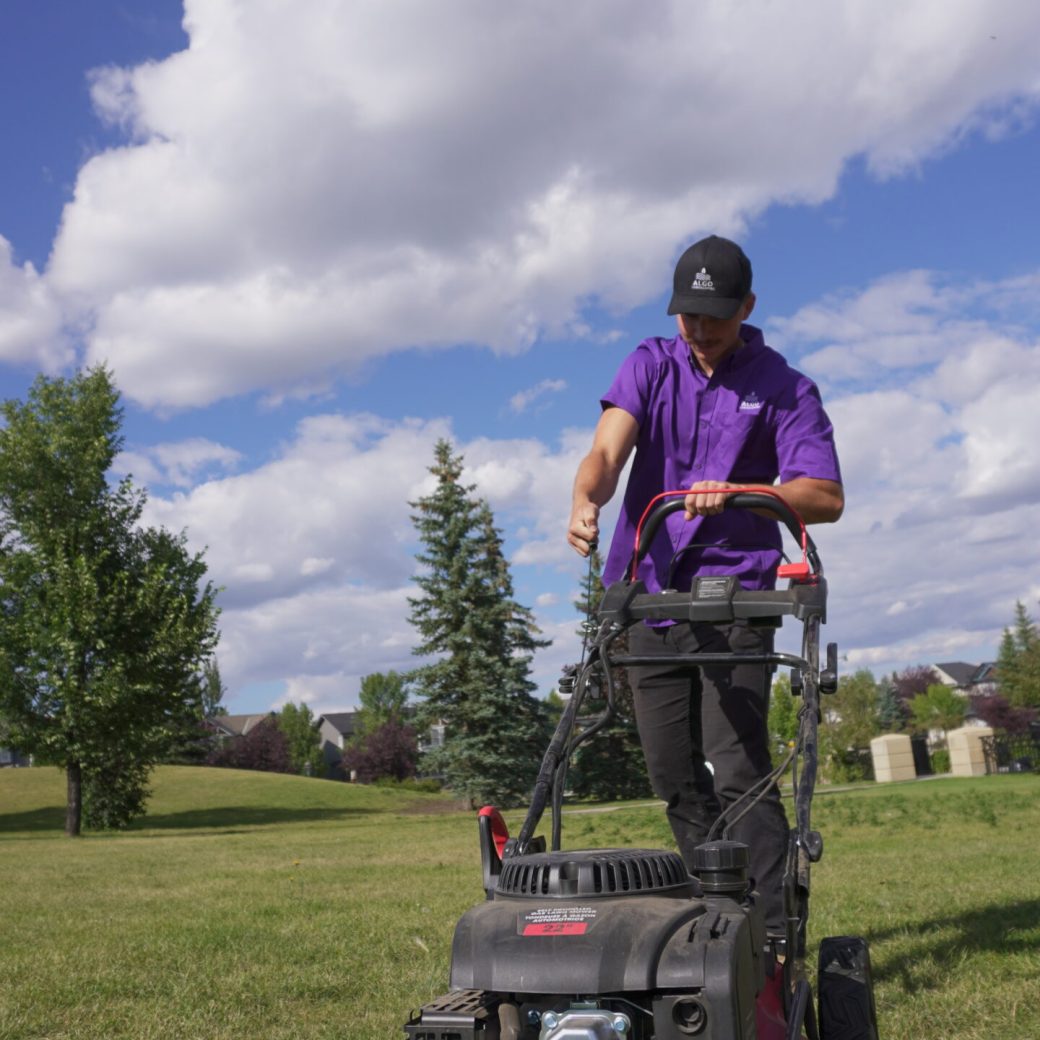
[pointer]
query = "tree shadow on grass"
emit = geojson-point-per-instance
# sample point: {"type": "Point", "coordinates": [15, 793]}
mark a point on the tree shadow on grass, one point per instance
{"type": "Point", "coordinates": [49, 818]}
{"type": "Point", "coordinates": [1003, 928]}
{"type": "Point", "coordinates": [237, 817]}
{"type": "Point", "coordinates": [243, 816]}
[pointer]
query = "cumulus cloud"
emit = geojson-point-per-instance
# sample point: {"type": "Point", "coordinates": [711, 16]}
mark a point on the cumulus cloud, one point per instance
{"type": "Point", "coordinates": [179, 464]}
{"type": "Point", "coordinates": [292, 185]}
{"type": "Point", "coordinates": [935, 429]}
{"type": "Point", "coordinates": [30, 317]}
{"type": "Point", "coordinates": [315, 549]}
{"type": "Point", "coordinates": [332, 507]}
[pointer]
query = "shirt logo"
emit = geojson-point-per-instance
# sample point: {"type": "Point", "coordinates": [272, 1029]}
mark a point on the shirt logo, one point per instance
{"type": "Point", "coordinates": [702, 280]}
{"type": "Point", "coordinates": [751, 403]}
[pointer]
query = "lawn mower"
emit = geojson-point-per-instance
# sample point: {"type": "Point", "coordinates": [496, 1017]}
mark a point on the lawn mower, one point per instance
{"type": "Point", "coordinates": [627, 944]}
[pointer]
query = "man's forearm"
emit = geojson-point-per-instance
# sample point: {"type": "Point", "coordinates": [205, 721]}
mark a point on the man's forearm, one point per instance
{"type": "Point", "coordinates": [595, 482]}
{"type": "Point", "coordinates": [815, 501]}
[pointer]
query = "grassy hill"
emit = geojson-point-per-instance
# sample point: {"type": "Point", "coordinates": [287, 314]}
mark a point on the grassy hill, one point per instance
{"type": "Point", "coordinates": [189, 797]}
{"type": "Point", "coordinates": [252, 905]}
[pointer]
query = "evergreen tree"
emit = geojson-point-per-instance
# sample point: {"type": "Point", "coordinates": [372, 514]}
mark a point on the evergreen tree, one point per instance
{"type": "Point", "coordinates": [1018, 662]}
{"type": "Point", "coordinates": [192, 740]}
{"type": "Point", "coordinates": [611, 765]}
{"type": "Point", "coordinates": [483, 642]}
{"type": "Point", "coordinates": [104, 624]}
{"type": "Point", "coordinates": [213, 690]}
{"type": "Point", "coordinates": [893, 711]}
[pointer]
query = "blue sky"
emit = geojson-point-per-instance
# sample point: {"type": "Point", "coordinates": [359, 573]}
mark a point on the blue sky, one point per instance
{"type": "Point", "coordinates": [311, 239]}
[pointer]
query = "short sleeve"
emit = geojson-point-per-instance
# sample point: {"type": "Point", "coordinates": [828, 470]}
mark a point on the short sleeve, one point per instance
{"type": "Point", "coordinates": [805, 437]}
{"type": "Point", "coordinates": [631, 387]}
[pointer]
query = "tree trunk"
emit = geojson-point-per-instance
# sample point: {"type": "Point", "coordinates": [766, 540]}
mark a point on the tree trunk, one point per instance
{"type": "Point", "coordinates": [74, 803]}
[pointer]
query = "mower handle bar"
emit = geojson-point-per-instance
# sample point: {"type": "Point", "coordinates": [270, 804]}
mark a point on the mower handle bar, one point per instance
{"type": "Point", "coordinates": [652, 519]}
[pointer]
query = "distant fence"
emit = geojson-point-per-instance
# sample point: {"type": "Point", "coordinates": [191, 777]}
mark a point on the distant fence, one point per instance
{"type": "Point", "coordinates": [1018, 754]}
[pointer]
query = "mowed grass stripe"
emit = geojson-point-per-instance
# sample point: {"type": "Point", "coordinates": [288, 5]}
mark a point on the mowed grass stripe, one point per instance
{"type": "Point", "coordinates": [253, 905]}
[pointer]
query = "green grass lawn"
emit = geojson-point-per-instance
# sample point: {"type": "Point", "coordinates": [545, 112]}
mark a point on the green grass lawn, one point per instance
{"type": "Point", "coordinates": [258, 906]}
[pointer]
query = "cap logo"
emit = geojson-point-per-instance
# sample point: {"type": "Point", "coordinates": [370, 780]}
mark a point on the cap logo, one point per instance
{"type": "Point", "coordinates": [702, 280]}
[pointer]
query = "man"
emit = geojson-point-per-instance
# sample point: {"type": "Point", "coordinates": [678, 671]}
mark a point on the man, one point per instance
{"type": "Point", "coordinates": [711, 408]}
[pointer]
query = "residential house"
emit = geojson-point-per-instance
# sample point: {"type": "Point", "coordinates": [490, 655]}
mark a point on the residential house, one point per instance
{"type": "Point", "coordinates": [235, 725]}
{"type": "Point", "coordinates": [957, 674]}
{"type": "Point", "coordinates": [12, 757]}
{"type": "Point", "coordinates": [334, 730]}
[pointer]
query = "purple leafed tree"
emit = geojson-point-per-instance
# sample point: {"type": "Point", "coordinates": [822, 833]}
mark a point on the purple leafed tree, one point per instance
{"type": "Point", "coordinates": [390, 750]}
{"type": "Point", "coordinates": [995, 711]}
{"type": "Point", "coordinates": [264, 748]}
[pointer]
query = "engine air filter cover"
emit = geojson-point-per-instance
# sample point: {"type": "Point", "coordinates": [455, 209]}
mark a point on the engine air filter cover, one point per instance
{"type": "Point", "coordinates": [586, 873]}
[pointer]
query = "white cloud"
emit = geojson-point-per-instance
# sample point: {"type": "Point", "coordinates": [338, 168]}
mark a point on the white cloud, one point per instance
{"type": "Point", "coordinates": [935, 418]}
{"type": "Point", "coordinates": [332, 507]}
{"type": "Point", "coordinates": [296, 186]}
{"type": "Point", "coordinates": [316, 547]}
{"type": "Point", "coordinates": [179, 463]}
{"type": "Point", "coordinates": [30, 317]}
{"type": "Point", "coordinates": [523, 399]}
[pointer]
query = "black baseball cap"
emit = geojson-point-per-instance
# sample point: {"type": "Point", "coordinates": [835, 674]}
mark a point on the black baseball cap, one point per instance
{"type": "Point", "coordinates": [712, 277]}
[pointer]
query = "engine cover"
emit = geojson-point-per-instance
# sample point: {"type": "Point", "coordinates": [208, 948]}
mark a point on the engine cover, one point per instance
{"type": "Point", "coordinates": [600, 921]}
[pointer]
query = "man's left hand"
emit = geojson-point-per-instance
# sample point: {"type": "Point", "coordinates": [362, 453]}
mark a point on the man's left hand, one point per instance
{"type": "Point", "coordinates": [711, 503]}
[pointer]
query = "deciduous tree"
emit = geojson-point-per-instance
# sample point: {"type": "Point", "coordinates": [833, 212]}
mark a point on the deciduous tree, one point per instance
{"type": "Point", "coordinates": [938, 708]}
{"type": "Point", "coordinates": [995, 711]}
{"type": "Point", "coordinates": [850, 721]}
{"type": "Point", "coordinates": [783, 712]}
{"type": "Point", "coordinates": [264, 748]}
{"type": "Point", "coordinates": [303, 744]}
{"type": "Point", "coordinates": [389, 750]}
{"type": "Point", "coordinates": [383, 697]}
{"type": "Point", "coordinates": [105, 624]}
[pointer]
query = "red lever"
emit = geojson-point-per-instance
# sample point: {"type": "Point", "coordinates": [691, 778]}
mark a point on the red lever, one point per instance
{"type": "Point", "coordinates": [499, 830]}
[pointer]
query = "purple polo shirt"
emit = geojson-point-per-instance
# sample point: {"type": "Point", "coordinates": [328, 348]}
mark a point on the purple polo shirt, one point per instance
{"type": "Point", "coordinates": [754, 420]}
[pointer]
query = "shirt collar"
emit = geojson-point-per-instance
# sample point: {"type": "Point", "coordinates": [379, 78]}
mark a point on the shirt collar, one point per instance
{"type": "Point", "coordinates": [753, 345]}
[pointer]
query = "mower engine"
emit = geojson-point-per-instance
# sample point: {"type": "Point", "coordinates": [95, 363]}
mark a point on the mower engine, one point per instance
{"type": "Point", "coordinates": [604, 944]}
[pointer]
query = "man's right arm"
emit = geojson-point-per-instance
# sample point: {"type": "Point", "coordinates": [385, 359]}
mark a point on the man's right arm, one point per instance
{"type": "Point", "coordinates": [597, 477]}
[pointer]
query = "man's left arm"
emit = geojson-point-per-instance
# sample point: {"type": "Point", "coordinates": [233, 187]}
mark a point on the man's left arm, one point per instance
{"type": "Point", "coordinates": [804, 440]}
{"type": "Point", "coordinates": [815, 501]}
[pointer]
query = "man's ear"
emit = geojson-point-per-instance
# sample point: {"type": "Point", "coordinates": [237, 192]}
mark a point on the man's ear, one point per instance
{"type": "Point", "coordinates": [747, 306]}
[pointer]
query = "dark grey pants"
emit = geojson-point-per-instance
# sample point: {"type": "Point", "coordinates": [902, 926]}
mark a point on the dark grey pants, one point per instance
{"type": "Point", "coordinates": [688, 717]}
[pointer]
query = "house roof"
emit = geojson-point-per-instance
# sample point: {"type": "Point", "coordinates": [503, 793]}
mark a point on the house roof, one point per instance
{"type": "Point", "coordinates": [985, 673]}
{"type": "Point", "coordinates": [959, 671]}
{"type": "Point", "coordinates": [341, 721]}
{"type": "Point", "coordinates": [236, 725]}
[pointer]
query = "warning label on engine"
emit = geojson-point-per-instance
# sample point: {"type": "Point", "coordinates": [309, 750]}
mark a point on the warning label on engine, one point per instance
{"type": "Point", "coordinates": [556, 920]}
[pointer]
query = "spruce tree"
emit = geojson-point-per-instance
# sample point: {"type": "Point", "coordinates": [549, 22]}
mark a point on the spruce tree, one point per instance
{"type": "Point", "coordinates": [611, 765]}
{"type": "Point", "coordinates": [482, 640]}
{"type": "Point", "coordinates": [1018, 661]}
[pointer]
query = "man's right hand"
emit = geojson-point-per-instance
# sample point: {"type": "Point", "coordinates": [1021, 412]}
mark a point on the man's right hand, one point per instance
{"type": "Point", "coordinates": [597, 476]}
{"type": "Point", "coordinates": [583, 530]}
